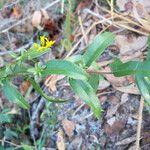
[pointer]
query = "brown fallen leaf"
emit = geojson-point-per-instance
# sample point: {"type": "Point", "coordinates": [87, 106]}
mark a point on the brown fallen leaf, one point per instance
{"type": "Point", "coordinates": [131, 89]}
{"type": "Point", "coordinates": [60, 140]}
{"type": "Point", "coordinates": [17, 12]}
{"type": "Point", "coordinates": [115, 81]}
{"type": "Point", "coordinates": [36, 19]}
{"type": "Point", "coordinates": [130, 44]}
{"type": "Point", "coordinates": [68, 126]}
{"type": "Point", "coordinates": [115, 128]}
{"type": "Point", "coordinates": [51, 81]}
{"type": "Point", "coordinates": [24, 87]}
{"type": "Point", "coordinates": [141, 14]}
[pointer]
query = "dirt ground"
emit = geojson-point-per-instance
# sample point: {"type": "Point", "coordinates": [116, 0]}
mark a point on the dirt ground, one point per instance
{"type": "Point", "coordinates": [72, 125]}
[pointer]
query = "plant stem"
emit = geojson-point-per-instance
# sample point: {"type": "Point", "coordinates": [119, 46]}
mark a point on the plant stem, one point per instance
{"type": "Point", "coordinates": [91, 71]}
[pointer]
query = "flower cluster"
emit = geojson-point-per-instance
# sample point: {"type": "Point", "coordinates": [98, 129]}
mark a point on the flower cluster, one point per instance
{"type": "Point", "coordinates": [45, 43]}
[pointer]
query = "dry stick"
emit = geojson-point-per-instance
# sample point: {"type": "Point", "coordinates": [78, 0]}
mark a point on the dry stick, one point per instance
{"type": "Point", "coordinates": [91, 27]}
{"type": "Point", "coordinates": [16, 50]}
{"type": "Point", "coordinates": [90, 71]}
{"type": "Point", "coordinates": [128, 21]}
{"type": "Point", "coordinates": [82, 29]}
{"type": "Point", "coordinates": [139, 124]}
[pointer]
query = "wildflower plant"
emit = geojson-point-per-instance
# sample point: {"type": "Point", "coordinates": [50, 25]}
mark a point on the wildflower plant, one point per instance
{"type": "Point", "coordinates": [74, 68]}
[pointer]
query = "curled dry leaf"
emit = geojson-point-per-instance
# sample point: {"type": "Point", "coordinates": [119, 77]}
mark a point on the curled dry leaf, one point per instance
{"type": "Point", "coordinates": [24, 87]}
{"type": "Point", "coordinates": [36, 19]}
{"type": "Point", "coordinates": [68, 126]}
{"type": "Point", "coordinates": [40, 19]}
{"type": "Point", "coordinates": [60, 140]}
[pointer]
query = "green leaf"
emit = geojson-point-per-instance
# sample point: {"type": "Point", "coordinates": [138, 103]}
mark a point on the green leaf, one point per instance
{"type": "Point", "coordinates": [97, 47]}
{"type": "Point", "coordinates": [5, 118]}
{"type": "Point", "coordinates": [84, 90]}
{"type": "Point", "coordinates": [148, 42]}
{"type": "Point", "coordinates": [10, 134]}
{"type": "Point", "coordinates": [64, 67]}
{"type": "Point", "coordinates": [26, 147]}
{"type": "Point", "coordinates": [94, 81]}
{"type": "Point", "coordinates": [143, 87]}
{"type": "Point", "coordinates": [33, 53]}
{"type": "Point", "coordinates": [130, 68]}
{"type": "Point", "coordinates": [75, 58]}
{"type": "Point", "coordinates": [148, 55]}
{"type": "Point", "coordinates": [13, 95]}
{"type": "Point", "coordinates": [39, 90]}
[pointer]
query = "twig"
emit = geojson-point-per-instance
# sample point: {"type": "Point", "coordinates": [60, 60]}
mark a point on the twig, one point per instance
{"type": "Point", "coordinates": [139, 124]}
{"type": "Point", "coordinates": [91, 27]}
{"type": "Point", "coordinates": [17, 50]}
{"type": "Point", "coordinates": [82, 29]}
{"type": "Point", "coordinates": [90, 71]}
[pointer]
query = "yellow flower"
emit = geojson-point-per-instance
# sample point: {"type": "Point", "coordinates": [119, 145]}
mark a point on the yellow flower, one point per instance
{"type": "Point", "coordinates": [45, 43]}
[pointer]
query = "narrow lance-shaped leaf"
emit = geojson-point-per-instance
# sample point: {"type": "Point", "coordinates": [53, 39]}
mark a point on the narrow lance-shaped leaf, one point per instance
{"type": "Point", "coordinates": [130, 68]}
{"type": "Point", "coordinates": [13, 95]}
{"type": "Point", "coordinates": [39, 90]}
{"type": "Point", "coordinates": [84, 90]}
{"type": "Point", "coordinates": [33, 53]}
{"type": "Point", "coordinates": [143, 87]}
{"type": "Point", "coordinates": [97, 47]}
{"type": "Point", "coordinates": [64, 67]}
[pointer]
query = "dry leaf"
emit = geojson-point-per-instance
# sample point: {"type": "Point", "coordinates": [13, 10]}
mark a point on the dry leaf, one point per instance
{"type": "Point", "coordinates": [131, 89]}
{"type": "Point", "coordinates": [116, 81]}
{"type": "Point", "coordinates": [17, 12]}
{"type": "Point", "coordinates": [121, 4]}
{"type": "Point", "coordinates": [60, 140]}
{"type": "Point", "coordinates": [36, 19]}
{"type": "Point", "coordinates": [115, 128]}
{"type": "Point", "coordinates": [51, 81]}
{"type": "Point", "coordinates": [112, 110]}
{"type": "Point", "coordinates": [45, 14]}
{"type": "Point", "coordinates": [68, 126]}
{"type": "Point", "coordinates": [103, 85]}
{"type": "Point", "coordinates": [24, 87]}
{"type": "Point", "coordinates": [141, 14]}
{"type": "Point", "coordinates": [130, 44]}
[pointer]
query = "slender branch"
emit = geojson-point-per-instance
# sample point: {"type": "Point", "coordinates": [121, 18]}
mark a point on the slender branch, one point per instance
{"type": "Point", "coordinates": [91, 71]}
{"type": "Point", "coordinates": [139, 124]}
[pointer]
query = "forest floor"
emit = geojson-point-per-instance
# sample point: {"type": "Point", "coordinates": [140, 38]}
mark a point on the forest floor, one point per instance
{"type": "Point", "coordinates": [72, 125]}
